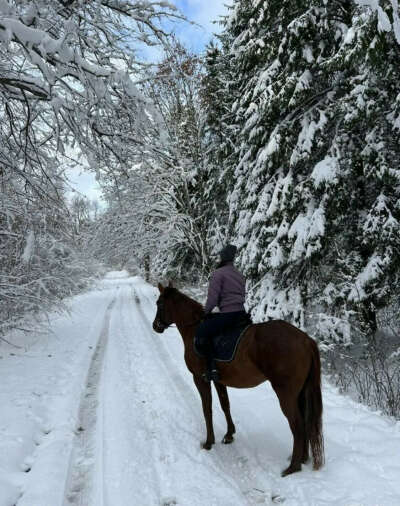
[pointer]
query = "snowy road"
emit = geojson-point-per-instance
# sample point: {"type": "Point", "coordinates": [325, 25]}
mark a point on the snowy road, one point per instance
{"type": "Point", "coordinates": [106, 414]}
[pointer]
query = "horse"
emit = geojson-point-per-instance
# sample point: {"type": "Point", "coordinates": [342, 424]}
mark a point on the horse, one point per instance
{"type": "Point", "coordinates": [274, 350]}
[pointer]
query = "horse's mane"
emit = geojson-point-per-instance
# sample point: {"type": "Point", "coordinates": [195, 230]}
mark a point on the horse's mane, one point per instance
{"type": "Point", "coordinates": [170, 292]}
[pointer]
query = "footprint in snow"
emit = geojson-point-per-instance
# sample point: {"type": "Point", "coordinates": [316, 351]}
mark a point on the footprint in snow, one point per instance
{"type": "Point", "coordinates": [169, 501]}
{"type": "Point", "coordinates": [277, 499]}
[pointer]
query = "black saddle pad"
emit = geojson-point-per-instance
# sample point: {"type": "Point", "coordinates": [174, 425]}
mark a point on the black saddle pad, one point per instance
{"type": "Point", "coordinates": [225, 344]}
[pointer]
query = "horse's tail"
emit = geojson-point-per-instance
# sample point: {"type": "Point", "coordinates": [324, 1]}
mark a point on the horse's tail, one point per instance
{"type": "Point", "coordinates": [313, 411]}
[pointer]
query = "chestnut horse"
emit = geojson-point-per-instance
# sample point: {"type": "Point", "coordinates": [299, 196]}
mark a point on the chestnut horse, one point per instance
{"type": "Point", "coordinates": [275, 351]}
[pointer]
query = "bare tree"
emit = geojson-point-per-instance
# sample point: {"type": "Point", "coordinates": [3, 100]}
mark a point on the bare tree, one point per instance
{"type": "Point", "coordinates": [161, 195]}
{"type": "Point", "coordinates": [69, 86]}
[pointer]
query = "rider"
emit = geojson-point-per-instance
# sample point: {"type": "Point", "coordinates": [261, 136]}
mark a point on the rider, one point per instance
{"type": "Point", "coordinates": [226, 290]}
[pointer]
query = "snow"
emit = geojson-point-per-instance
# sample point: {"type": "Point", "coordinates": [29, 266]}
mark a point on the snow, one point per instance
{"type": "Point", "coordinates": [102, 411]}
{"type": "Point", "coordinates": [305, 142]}
{"type": "Point", "coordinates": [350, 34]}
{"type": "Point", "coordinates": [308, 54]}
{"type": "Point", "coordinates": [275, 253]}
{"type": "Point", "coordinates": [325, 171]}
{"type": "Point", "coordinates": [46, 44]}
{"type": "Point", "coordinates": [271, 148]}
{"type": "Point", "coordinates": [28, 250]}
{"type": "Point", "coordinates": [372, 271]}
{"type": "Point", "coordinates": [305, 232]}
{"type": "Point", "coordinates": [396, 20]}
{"type": "Point", "coordinates": [303, 82]}
{"type": "Point", "coordinates": [384, 24]}
{"type": "Point", "coordinates": [116, 275]}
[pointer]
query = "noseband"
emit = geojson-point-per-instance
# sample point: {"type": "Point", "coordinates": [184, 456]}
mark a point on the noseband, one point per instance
{"type": "Point", "coordinates": [160, 319]}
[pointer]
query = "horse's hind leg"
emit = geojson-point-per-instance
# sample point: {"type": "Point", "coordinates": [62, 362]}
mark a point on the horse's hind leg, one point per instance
{"type": "Point", "coordinates": [290, 408]}
{"type": "Point", "coordinates": [224, 400]}
{"type": "Point", "coordinates": [206, 400]}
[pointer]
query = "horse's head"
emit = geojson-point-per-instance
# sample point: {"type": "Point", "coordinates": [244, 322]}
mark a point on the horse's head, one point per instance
{"type": "Point", "coordinates": [163, 318]}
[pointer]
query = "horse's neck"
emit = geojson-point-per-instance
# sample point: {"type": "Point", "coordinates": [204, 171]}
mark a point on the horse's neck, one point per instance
{"type": "Point", "coordinates": [187, 333]}
{"type": "Point", "coordinates": [187, 319]}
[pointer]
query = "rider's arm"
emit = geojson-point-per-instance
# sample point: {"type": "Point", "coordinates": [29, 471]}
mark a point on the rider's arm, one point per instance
{"type": "Point", "coordinates": [214, 291]}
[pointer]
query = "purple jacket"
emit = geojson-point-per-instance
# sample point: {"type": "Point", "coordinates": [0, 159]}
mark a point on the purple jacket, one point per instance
{"type": "Point", "coordinates": [226, 290]}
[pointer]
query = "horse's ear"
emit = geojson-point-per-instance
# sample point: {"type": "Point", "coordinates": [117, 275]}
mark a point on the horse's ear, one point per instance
{"type": "Point", "coordinates": [160, 287]}
{"type": "Point", "coordinates": [170, 284]}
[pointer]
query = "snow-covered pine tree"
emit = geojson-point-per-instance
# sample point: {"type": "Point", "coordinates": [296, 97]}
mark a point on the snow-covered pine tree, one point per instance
{"type": "Point", "coordinates": [370, 174]}
{"type": "Point", "coordinates": [286, 116]}
{"type": "Point", "coordinates": [222, 88]}
{"type": "Point", "coordinates": [314, 206]}
{"type": "Point", "coordinates": [218, 128]}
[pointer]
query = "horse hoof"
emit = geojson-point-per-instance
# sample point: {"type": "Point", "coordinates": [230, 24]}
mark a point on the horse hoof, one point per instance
{"type": "Point", "coordinates": [207, 445]}
{"type": "Point", "coordinates": [227, 440]}
{"type": "Point", "coordinates": [290, 470]}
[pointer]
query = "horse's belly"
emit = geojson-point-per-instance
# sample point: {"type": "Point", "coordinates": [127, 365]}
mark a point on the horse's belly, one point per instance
{"type": "Point", "coordinates": [241, 378]}
{"type": "Point", "coordinates": [242, 384]}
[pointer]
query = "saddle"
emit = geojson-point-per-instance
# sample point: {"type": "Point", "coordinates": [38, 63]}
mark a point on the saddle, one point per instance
{"type": "Point", "coordinates": [226, 343]}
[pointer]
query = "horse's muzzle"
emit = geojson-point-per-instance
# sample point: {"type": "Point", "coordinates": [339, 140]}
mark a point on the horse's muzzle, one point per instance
{"type": "Point", "coordinates": [158, 327]}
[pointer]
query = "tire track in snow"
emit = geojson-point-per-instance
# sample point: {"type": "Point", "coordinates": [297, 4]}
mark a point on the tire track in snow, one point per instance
{"type": "Point", "coordinates": [162, 355]}
{"type": "Point", "coordinates": [156, 426]}
{"type": "Point", "coordinates": [86, 456]}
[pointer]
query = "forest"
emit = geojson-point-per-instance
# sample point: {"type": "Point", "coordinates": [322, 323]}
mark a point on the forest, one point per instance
{"type": "Point", "coordinates": [282, 137]}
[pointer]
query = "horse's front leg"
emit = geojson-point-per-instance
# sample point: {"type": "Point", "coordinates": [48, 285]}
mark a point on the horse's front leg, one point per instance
{"type": "Point", "coordinates": [224, 400]}
{"type": "Point", "coordinates": [206, 399]}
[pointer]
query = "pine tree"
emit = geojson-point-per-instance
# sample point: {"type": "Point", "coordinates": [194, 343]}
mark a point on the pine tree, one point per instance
{"type": "Point", "coordinates": [284, 111]}
{"type": "Point", "coordinates": [218, 93]}
{"type": "Point", "coordinates": [368, 140]}
{"type": "Point", "coordinates": [314, 203]}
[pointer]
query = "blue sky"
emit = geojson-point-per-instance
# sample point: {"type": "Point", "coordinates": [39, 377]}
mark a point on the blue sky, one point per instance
{"type": "Point", "coordinates": [201, 12]}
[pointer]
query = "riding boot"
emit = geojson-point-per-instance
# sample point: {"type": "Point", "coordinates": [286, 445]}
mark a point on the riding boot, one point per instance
{"type": "Point", "coordinates": [212, 373]}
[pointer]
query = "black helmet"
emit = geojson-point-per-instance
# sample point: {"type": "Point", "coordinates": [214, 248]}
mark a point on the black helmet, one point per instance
{"type": "Point", "coordinates": [228, 253]}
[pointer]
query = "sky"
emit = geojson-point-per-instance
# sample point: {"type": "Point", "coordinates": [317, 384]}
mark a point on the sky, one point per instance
{"type": "Point", "coordinates": [201, 12]}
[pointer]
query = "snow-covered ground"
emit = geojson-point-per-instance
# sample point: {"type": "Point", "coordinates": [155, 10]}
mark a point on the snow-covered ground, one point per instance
{"type": "Point", "coordinates": [101, 411]}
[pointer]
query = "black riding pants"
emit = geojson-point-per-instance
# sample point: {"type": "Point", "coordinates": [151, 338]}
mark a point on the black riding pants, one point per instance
{"type": "Point", "coordinates": [212, 326]}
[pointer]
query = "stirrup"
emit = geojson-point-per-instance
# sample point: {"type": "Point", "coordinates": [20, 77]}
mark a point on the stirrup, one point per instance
{"type": "Point", "coordinates": [212, 375]}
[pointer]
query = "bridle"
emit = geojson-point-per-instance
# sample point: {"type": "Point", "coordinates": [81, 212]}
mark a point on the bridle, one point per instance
{"type": "Point", "coordinates": [160, 319]}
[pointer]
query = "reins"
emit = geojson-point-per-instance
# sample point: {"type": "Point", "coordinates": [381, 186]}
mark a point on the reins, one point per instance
{"type": "Point", "coordinates": [166, 325]}
{"type": "Point", "coordinates": [172, 324]}
{"type": "Point", "coordinates": [190, 324]}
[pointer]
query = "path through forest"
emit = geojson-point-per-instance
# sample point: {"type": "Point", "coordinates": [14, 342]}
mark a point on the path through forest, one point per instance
{"type": "Point", "coordinates": [102, 412]}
